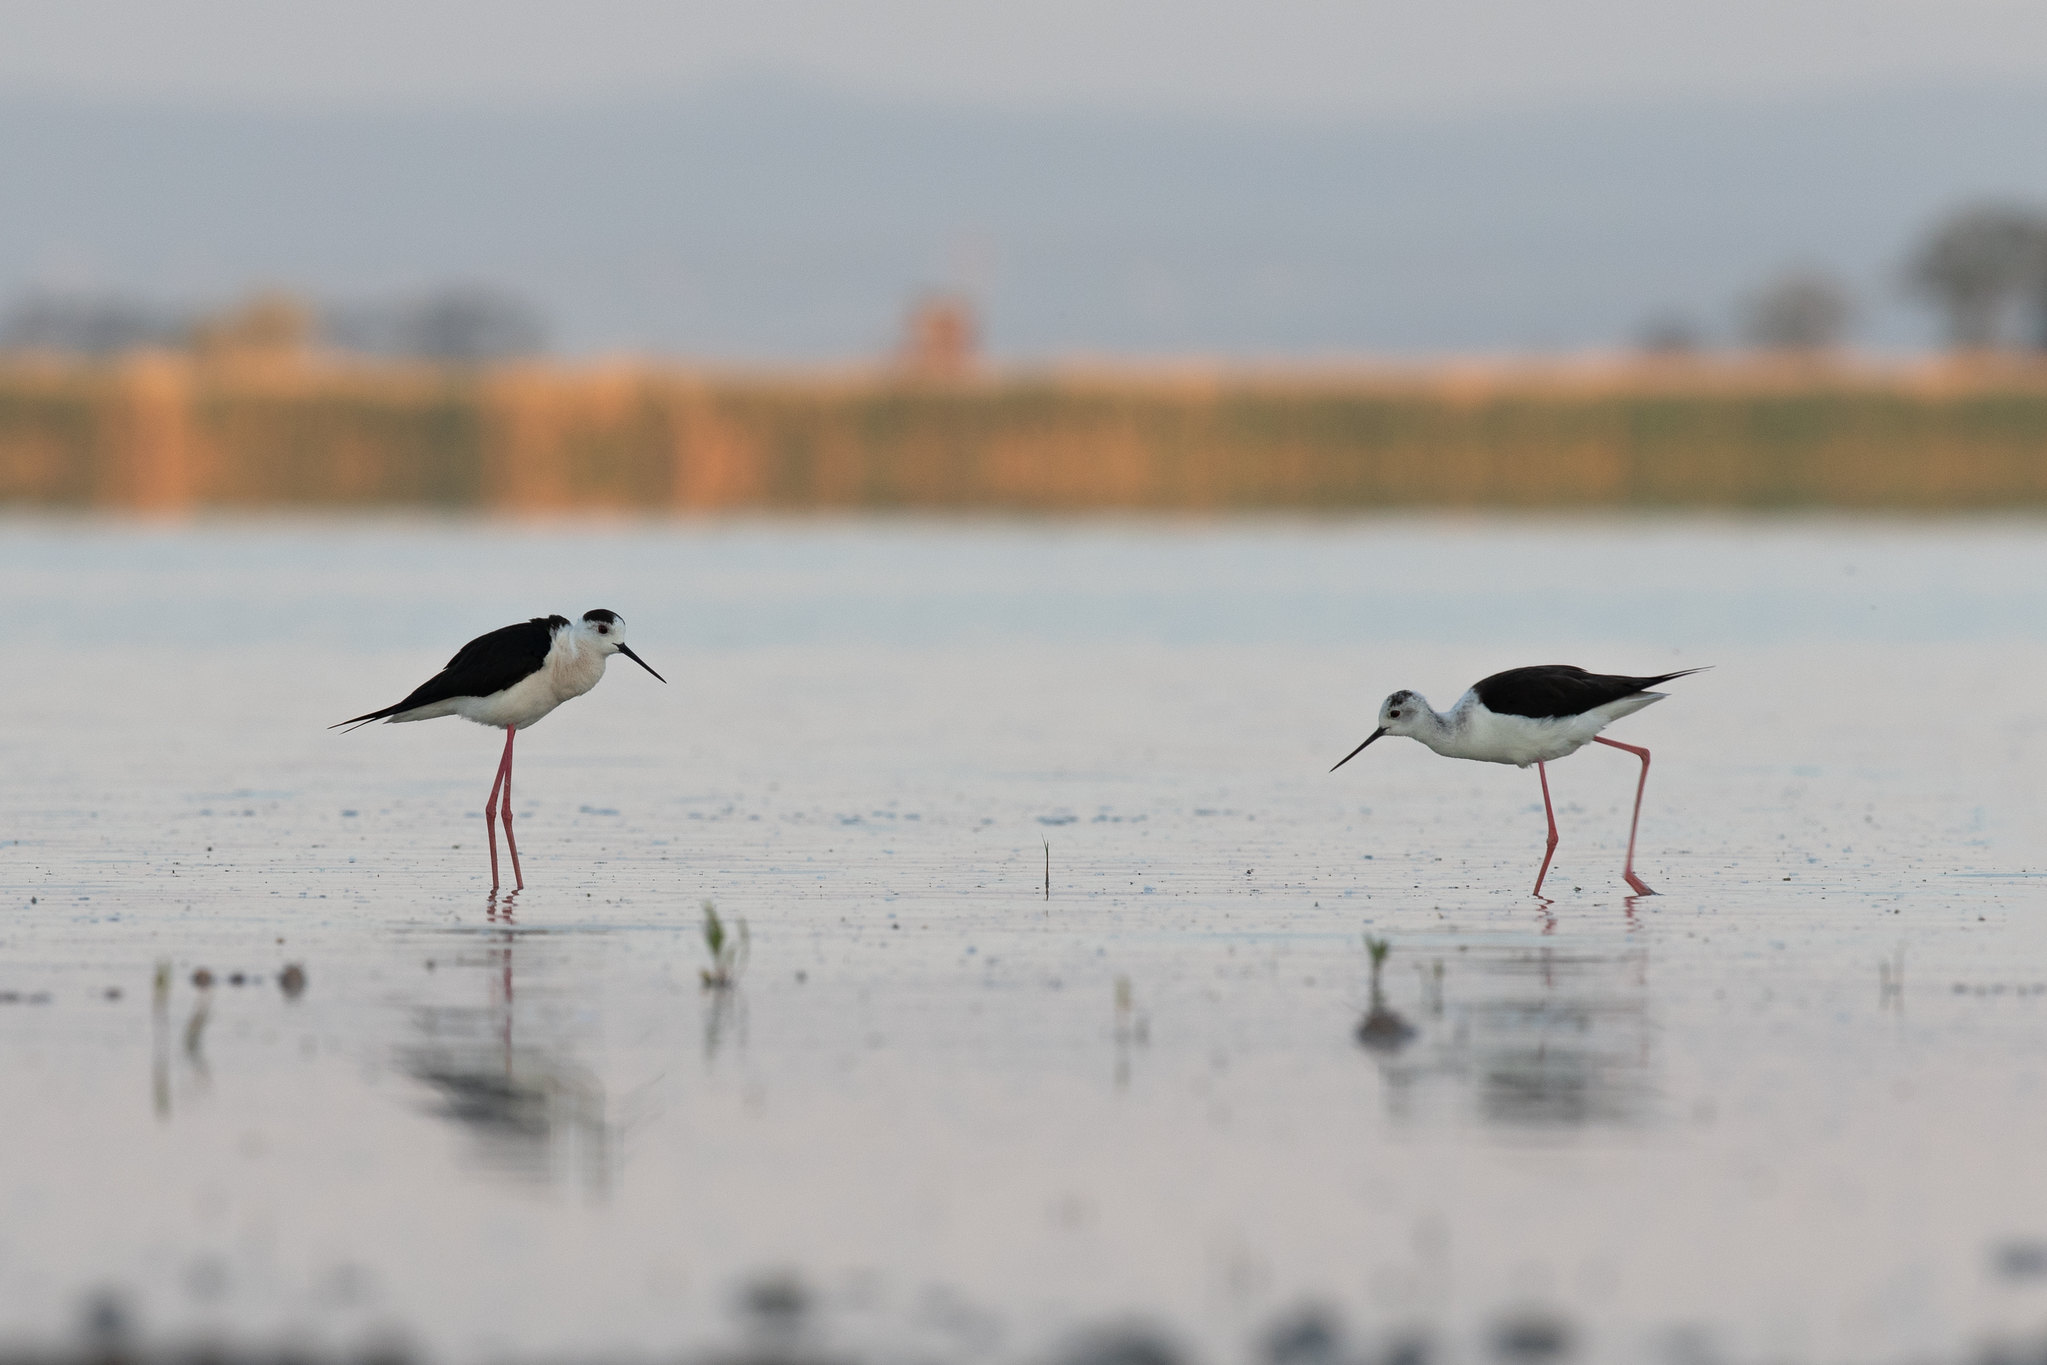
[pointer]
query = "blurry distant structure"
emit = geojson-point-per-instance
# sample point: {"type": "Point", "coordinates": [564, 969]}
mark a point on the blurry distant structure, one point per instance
{"type": "Point", "coordinates": [1801, 311]}
{"type": "Point", "coordinates": [465, 324]}
{"type": "Point", "coordinates": [941, 337]}
{"type": "Point", "coordinates": [1669, 334]}
{"type": "Point", "coordinates": [1979, 265]}
{"type": "Point", "coordinates": [269, 325]}
{"type": "Point", "coordinates": [85, 324]}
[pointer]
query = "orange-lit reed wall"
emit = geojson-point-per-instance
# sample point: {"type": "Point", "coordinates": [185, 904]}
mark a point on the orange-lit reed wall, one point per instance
{"type": "Point", "coordinates": [168, 433]}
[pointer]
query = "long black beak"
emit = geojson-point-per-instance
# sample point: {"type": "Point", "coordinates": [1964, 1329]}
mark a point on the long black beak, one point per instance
{"type": "Point", "coordinates": [1360, 749]}
{"type": "Point", "coordinates": [628, 652]}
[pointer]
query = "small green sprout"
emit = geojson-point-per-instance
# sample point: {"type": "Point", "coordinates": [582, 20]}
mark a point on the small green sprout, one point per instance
{"type": "Point", "coordinates": [728, 951]}
{"type": "Point", "coordinates": [1378, 948]}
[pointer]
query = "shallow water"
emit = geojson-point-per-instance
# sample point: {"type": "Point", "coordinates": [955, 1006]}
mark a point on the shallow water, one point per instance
{"type": "Point", "coordinates": [1788, 1109]}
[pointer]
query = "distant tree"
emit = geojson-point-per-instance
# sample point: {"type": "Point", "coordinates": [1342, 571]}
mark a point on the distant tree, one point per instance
{"type": "Point", "coordinates": [269, 323]}
{"type": "Point", "coordinates": [470, 323]}
{"type": "Point", "coordinates": [2037, 285]}
{"type": "Point", "coordinates": [1977, 262]}
{"type": "Point", "coordinates": [463, 324]}
{"type": "Point", "coordinates": [1803, 310]}
{"type": "Point", "coordinates": [1669, 334]}
{"type": "Point", "coordinates": [85, 324]}
{"type": "Point", "coordinates": [371, 328]}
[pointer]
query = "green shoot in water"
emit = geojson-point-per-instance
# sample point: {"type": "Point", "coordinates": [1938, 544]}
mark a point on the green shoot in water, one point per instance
{"type": "Point", "coordinates": [728, 950]}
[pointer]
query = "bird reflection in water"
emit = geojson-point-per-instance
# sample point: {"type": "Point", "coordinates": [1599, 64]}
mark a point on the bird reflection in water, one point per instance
{"type": "Point", "coordinates": [1527, 1038]}
{"type": "Point", "coordinates": [503, 1071]}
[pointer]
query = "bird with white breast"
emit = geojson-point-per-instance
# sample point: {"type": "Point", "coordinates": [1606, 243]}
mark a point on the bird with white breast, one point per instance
{"type": "Point", "coordinates": [509, 679]}
{"type": "Point", "coordinates": [1530, 715]}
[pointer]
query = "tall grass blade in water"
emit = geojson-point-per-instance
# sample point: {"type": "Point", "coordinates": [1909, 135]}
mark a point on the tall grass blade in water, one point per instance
{"type": "Point", "coordinates": [728, 950]}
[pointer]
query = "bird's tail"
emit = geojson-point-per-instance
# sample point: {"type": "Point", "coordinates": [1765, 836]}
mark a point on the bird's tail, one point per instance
{"type": "Point", "coordinates": [357, 722]}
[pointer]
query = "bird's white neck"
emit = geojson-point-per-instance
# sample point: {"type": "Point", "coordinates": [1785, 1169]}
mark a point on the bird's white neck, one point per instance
{"type": "Point", "coordinates": [1439, 729]}
{"type": "Point", "coordinates": [574, 664]}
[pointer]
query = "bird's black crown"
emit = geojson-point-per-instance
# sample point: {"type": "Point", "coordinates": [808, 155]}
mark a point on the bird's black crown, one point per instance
{"type": "Point", "coordinates": [607, 617]}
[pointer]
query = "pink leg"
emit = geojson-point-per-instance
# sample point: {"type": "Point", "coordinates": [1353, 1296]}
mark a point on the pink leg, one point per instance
{"type": "Point", "coordinates": [490, 809]}
{"type": "Point", "coordinates": [1547, 810]}
{"type": "Point", "coordinates": [1641, 887]}
{"type": "Point", "coordinates": [510, 842]}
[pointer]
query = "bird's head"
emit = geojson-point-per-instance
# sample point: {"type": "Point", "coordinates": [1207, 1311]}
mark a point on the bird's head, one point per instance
{"type": "Point", "coordinates": [605, 631]}
{"type": "Point", "coordinates": [1399, 714]}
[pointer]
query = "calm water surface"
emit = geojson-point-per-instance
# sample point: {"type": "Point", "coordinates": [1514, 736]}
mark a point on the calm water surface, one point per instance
{"type": "Point", "coordinates": [1791, 1109]}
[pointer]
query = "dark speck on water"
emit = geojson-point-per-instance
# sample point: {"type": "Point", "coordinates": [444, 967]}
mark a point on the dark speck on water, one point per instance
{"type": "Point", "coordinates": [202, 978]}
{"type": "Point", "coordinates": [106, 1318]}
{"type": "Point", "coordinates": [1308, 1336]}
{"type": "Point", "coordinates": [1135, 1345]}
{"type": "Point", "coordinates": [292, 980]}
{"type": "Point", "coordinates": [2022, 1260]}
{"type": "Point", "coordinates": [777, 1301]}
{"type": "Point", "coordinates": [1532, 1337]}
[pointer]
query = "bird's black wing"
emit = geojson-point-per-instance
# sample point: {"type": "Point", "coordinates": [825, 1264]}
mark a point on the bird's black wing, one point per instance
{"type": "Point", "coordinates": [1552, 691]}
{"type": "Point", "coordinates": [489, 663]}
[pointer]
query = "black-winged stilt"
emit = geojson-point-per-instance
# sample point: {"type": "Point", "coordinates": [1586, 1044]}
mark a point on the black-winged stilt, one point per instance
{"type": "Point", "coordinates": [1530, 715]}
{"type": "Point", "coordinates": [510, 678]}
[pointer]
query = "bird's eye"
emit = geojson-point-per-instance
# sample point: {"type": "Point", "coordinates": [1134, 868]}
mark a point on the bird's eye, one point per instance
{"type": "Point", "coordinates": [1393, 715]}
{"type": "Point", "coordinates": [604, 630]}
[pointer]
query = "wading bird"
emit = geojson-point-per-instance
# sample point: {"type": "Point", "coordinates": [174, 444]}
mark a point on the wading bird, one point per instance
{"type": "Point", "coordinates": [1530, 715]}
{"type": "Point", "coordinates": [510, 678]}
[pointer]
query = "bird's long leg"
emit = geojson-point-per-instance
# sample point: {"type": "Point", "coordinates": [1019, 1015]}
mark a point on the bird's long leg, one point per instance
{"type": "Point", "coordinates": [490, 809]}
{"type": "Point", "coordinates": [1549, 811]}
{"type": "Point", "coordinates": [1641, 887]}
{"type": "Point", "coordinates": [510, 842]}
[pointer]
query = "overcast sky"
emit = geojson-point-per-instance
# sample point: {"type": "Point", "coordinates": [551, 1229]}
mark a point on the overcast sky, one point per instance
{"type": "Point", "coordinates": [1234, 56]}
{"type": "Point", "coordinates": [777, 178]}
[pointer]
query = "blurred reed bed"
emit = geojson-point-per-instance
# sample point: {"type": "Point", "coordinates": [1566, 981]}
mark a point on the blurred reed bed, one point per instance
{"type": "Point", "coordinates": [167, 432]}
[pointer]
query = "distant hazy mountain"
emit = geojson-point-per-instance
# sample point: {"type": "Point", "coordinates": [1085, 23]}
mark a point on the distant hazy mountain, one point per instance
{"type": "Point", "coordinates": [768, 222]}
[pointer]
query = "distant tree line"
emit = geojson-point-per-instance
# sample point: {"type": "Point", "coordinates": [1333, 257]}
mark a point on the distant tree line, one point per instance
{"type": "Point", "coordinates": [1983, 267]}
{"type": "Point", "coordinates": [458, 325]}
